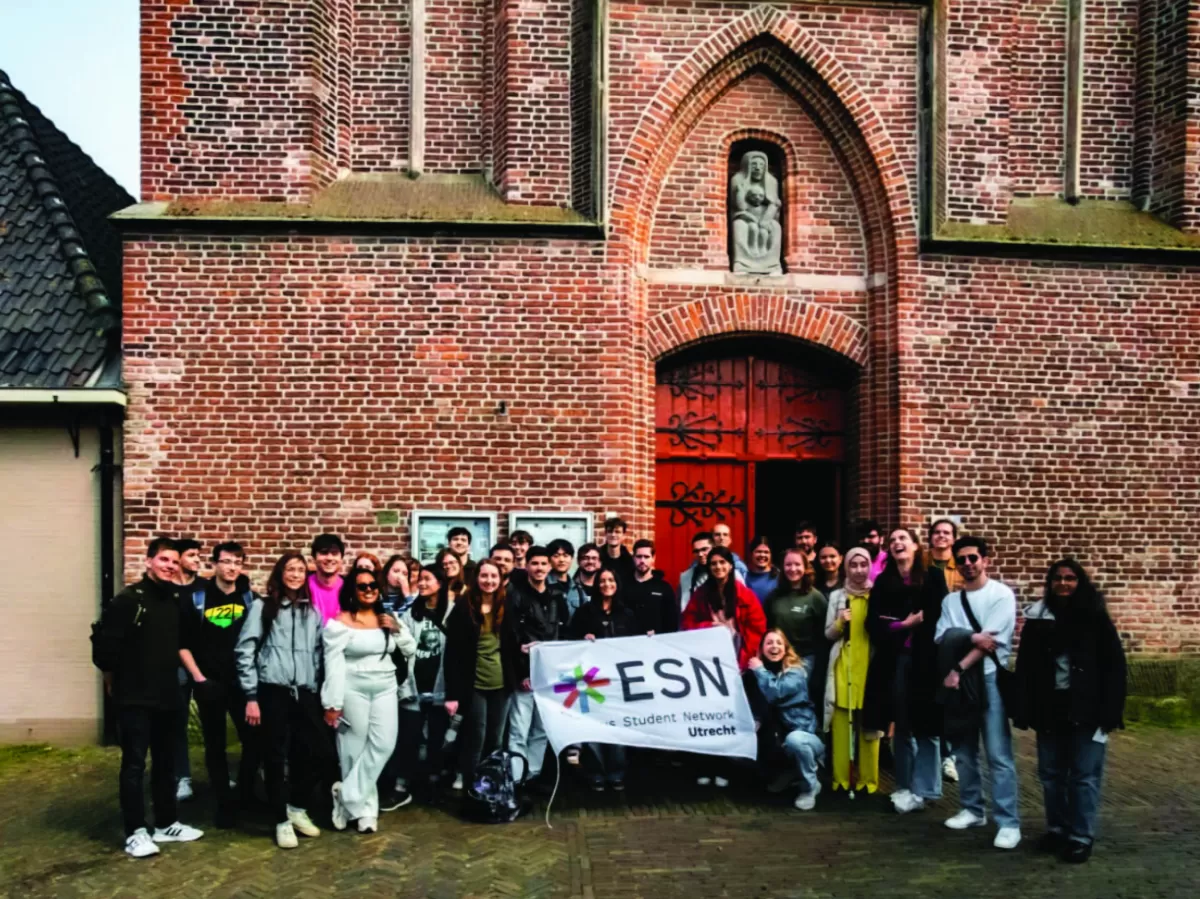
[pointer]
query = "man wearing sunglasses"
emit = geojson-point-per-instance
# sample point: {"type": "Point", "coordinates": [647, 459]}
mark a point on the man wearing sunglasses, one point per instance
{"type": "Point", "coordinates": [993, 607]}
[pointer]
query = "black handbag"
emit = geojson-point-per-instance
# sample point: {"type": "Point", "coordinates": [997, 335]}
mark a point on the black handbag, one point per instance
{"type": "Point", "coordinates": [1005, 679]}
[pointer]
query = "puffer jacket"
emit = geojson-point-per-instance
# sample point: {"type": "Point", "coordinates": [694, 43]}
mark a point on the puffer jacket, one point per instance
{"type": "Point", "coordinates": [292, 654]}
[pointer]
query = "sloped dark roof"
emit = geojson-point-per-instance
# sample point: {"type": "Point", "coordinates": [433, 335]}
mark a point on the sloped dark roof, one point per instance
{"type": "Point", "coordinates": [60, 258]}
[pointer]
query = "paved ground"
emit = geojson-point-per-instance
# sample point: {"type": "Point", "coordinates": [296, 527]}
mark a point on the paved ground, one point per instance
{"type": "Point", "coordinates": [59, 836]}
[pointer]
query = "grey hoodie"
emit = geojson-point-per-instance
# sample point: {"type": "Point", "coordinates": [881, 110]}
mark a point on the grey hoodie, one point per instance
{"type": "Point", "coordinates": [293, 652]}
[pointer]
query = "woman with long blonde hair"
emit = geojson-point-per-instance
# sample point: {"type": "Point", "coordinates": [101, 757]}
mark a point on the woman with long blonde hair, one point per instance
{"type": "Point", "coordinates": [783, 683]}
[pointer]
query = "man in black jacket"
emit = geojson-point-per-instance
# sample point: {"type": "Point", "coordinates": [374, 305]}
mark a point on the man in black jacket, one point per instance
{"type": "Point", "coordinates": [650, 596]}
{"type": "Point", "coordinates": [614, 556]}
{"type": "Point", "coordinates": [212, 631]}
{"type": "Point", "coordinates": [137, 647]}
{"type": "Point", "coordinates": [537, 612]}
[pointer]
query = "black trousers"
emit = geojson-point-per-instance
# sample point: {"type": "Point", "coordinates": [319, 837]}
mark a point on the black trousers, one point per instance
{"type": "Point", "coordinates": [412, 735]}
{"type": "Point", "coordinates": [213, 700]}
{"type": "Point", "coordinates": [482, 728]}
{"type": "Point", "coordinates": [295, 735]}
{"type": "Point", "coordinates": [143, 729]}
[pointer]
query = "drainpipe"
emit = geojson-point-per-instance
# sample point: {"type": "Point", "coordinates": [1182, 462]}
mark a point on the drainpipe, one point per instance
{"type": "Point", "coordinates": [108, 469]}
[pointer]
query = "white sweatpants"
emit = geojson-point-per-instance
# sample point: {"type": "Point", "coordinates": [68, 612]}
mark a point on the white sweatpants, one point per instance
{"type": "Point", "coordinates": [370, 708]}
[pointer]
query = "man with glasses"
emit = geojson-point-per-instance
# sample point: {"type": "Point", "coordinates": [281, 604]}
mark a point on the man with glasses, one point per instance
{"type": "Point", "coordinates": [993, 607]}
{"type": "Point", "coordinates": [696, 573]}
{"type": "Point", "coordinates": [209, 638]}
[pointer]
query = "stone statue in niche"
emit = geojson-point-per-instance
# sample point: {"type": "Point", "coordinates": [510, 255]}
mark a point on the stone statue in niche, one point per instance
{"type": "Point", "coordinates": [754, 217]}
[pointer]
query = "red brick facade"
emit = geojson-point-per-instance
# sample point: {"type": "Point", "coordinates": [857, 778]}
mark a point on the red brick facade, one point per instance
{"type": "Point", "coordinates": [282, 384]}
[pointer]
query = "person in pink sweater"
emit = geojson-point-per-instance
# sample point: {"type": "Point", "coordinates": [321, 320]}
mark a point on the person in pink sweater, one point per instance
{"type": "Point", "coordinates": [325, 584]}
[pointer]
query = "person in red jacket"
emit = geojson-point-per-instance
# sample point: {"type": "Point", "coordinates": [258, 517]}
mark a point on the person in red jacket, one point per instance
{"type": "Point", "coordinates": [724, 601]}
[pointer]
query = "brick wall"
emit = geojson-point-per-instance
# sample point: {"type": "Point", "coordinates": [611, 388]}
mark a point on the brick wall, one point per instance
{"type": "Point", "coordinates": [1056, 411]}
{"type": "Point", "coordinates": [823, 235]}
{"type": "Point", "coordinates": [325, 380]}
{"type": "Point", "coordinates": [280, 386]}
{"type": "Point", "coordinates": [227, 99]}
{"type": "Point", "coordinates": [380, 79]}
{"type": "Point", "coordinates": [454, 85]}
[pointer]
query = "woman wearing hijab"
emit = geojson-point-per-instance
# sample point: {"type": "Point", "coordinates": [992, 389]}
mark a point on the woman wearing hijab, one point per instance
{"type": "Point", "coordinates": [845, 685]}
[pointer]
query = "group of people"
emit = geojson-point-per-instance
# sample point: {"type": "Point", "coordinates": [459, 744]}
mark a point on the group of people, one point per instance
{"type": "Point", "coordinates": [365, 681]}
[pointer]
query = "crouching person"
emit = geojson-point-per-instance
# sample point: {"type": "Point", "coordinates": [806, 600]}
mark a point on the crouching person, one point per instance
{"type": "Point", "coordinates": [783, 683]}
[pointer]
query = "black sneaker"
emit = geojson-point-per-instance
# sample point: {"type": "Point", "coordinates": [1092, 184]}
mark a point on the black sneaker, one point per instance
{"type": "Point", "coordinates": [618, 785]}
{"type": "Point", "coordinates": [394, 800]}
{"type": "Point", "coordinates": [1077, 852]}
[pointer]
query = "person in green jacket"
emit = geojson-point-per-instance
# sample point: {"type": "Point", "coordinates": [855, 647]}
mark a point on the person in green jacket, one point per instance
{"type": "Point", "coordinates": [798, 608]}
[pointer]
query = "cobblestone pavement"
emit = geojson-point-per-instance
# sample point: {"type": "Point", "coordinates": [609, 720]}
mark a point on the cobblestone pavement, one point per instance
{"type": "Point", "coordinates": [60, 837]}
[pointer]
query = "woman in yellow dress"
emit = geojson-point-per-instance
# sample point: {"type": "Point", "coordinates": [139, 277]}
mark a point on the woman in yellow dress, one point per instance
{"type": "Point", "coordinates": [849, 658]}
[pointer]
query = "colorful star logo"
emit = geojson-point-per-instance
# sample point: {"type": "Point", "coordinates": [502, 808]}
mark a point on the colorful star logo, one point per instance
{"type": "Point", "coordinates": [581, 687]}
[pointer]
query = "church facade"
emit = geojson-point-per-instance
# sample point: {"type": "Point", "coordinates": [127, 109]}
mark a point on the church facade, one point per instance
{"type": "Point", "coordinates": [685, 261]}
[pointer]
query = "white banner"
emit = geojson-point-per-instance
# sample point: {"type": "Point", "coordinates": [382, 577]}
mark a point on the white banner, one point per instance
{"type": "Point", "coordinates": [671, 691]}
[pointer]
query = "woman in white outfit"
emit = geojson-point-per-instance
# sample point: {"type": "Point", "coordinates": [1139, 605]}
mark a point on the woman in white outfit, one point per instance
{"type": "Point", "coordinates": [359, 697]}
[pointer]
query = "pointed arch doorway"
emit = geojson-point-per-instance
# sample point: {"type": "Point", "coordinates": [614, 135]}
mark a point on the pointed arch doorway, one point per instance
{"type": "Point", "coordinates": [751, 432]}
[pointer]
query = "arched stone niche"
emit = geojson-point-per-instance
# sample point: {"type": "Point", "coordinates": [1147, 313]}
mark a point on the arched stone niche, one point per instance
{"type": "Point", "coordinates": [756, 207]}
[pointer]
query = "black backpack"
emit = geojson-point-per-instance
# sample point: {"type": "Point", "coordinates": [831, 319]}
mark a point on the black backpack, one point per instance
{"type": "Point", "coordinates": [111, 637]}
{"type": "Point", "coordinates": [491, 797]}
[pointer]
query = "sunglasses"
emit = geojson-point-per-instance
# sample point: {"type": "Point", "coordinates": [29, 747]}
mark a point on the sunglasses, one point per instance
{"type": "Point", "coordinates": [372, 587]}
{"type": "Point", "coordinates": [967, 560]}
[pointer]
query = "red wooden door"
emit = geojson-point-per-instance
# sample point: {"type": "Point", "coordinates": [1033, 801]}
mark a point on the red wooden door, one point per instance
{"type": "Point", "coordinates": [714, 420]}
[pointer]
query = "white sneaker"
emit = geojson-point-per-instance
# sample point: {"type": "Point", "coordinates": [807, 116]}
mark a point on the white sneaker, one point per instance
{"type": "Point", "coordinates": [910, 803]}
{"type": "Point", "coordinates": [340, 821]}
{"type": "Point", "coordinates": [703, 781]}
{"type": "Point", "coordinates": [176, 833]}
{"type": "Point", "coordinates": [721, 782]}
{"type": "Point", "coordinates": [299, 821]}
{"type": "Point", "coordinates": [1007, 838]}
{"type": "Point", "coordinates": [368, 825]}
{"type": "Point", "coordinates": [139, 845]}
{"type": "Point", "coordinates": [807, 801]}
{"type": "Point", "coordinates": [285, 836]}
{"type": "Point", "coordinates": [458, 783]}
{"type": "Point", "coordinates": [901, 797]}
{"type": "Point", "coordinates": [949, 769]}
{"type": "Point", "coordinates": [965, 819]}
{"type": "Point", "coordinates": [183, 789]}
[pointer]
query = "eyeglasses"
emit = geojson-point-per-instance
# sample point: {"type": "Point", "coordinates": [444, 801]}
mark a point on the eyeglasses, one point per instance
{"type": "Point", "coordinates": [1064, 579]}
{"type": "Point", "coordinates": [367, 588]}
{"type": "Point", "coordinates": [967, 560]}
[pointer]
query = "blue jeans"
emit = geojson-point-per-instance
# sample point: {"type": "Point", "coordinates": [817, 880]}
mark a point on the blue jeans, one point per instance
{"type": "Point", "coordinates": [1002, 773]}
{"type": "Point", "coordinates": [807, 751]}
{"type": "Point", "coordinates": [918, 764]}
{"type": "Point", "coordinates": [1070, 767]}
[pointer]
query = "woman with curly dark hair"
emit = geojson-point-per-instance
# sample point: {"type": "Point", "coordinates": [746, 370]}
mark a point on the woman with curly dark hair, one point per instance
{"type": "Point", "coordinates": [1071, 680]}
{"type": "Point", "coordinates": [279, 657]}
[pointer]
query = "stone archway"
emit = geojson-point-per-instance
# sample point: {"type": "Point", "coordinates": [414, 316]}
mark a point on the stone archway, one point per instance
{"type": "Point", "coordinates": [767, 41]}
